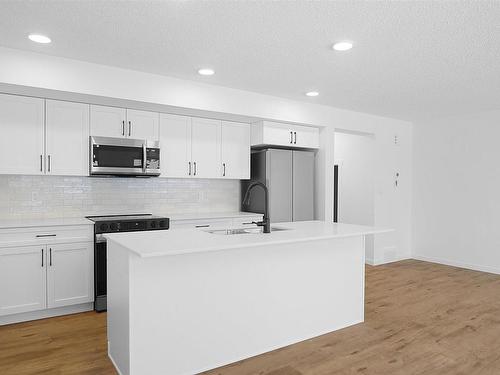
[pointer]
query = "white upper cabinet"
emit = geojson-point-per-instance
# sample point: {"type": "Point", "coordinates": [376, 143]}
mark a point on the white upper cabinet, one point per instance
{"type": "Point", "coordinates": [278, 134]}
{"type": "Point", "coordinates": [120, 122]}
{"type": "Point", "coordinates": [108, 121]}
{"type": "Point", "coordinates": [21, 123]}
{"type": "Point", "coordinates": [175, 143]}
{"type": "Point", "coordinates": [235, 150]}
{"type": "Point", "coordinates": [306, 137]}
{"type": "Point", "coordinates": [70, 271]}
{"type": "Point", "coordinates": [67, 138]}
{"type": "Point", "coordinates": [205, 147]}
{"type": "Point", "coordinates": [22, 279]}
{"type": "Point", "coordinates": [142, 124]}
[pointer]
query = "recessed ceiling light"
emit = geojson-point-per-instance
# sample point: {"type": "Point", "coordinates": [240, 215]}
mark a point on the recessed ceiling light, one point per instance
{"type": "Point", "coordinates": [206, 72]}
{"type": "Point", "coordinates": [312, 93]}
{"type": "Point", "coordinates": [39, 38]}
{"type": "Point", "coordinates": [342, 46]}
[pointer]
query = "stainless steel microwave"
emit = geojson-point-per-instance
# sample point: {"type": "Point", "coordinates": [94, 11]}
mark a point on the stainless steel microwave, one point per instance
{"type": "Point", "coordinates": [124, 157]}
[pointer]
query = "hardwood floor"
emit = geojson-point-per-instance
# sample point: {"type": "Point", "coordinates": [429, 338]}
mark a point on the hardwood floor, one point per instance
{"type": "Point", "coordinates": [421, 318]}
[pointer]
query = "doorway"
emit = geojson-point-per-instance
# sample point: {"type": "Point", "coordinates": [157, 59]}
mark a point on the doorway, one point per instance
{"type": "Point", "coordinates": [354, 174]}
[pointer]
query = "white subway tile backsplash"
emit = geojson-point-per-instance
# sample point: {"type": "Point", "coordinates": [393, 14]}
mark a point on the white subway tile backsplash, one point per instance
{"type": "Point", "coordinates": [54, 196]}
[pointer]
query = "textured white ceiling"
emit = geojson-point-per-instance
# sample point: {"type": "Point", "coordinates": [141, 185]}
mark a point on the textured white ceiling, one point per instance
{"type": "Point", "coordinates": [411, 60]}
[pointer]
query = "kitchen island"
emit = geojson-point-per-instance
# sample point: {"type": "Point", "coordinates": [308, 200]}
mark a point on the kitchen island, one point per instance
{"type": "Point", "coordinates": [187, 300]}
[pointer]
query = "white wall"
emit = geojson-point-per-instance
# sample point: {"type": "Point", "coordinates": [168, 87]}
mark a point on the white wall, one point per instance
{"type": "Point", "coordinates": [20, 68]}
{"type": "Point", "coordinates": [457, 191]}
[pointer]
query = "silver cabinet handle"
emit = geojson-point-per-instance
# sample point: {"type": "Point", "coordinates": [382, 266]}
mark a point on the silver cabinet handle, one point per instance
{"type": "Point", "coordinates": [129, 128]}
{"type": "Point", "coordinates": [223, 169]}
{"type": "Point", "coordinates": [202, 226]}
{"type": "Point", "coordinates": [291, 137]}
{"type": "Point", "coordinates": [194, 164]}
{"type": "Point", "coordinates": [50, 257]}
{"type": "Point", "coordinates": [48, 162]}
{"type": "Point", "coordinates": [41, 163]}
{"type": "Point", "coordinates": [45, 235]}
{"type": "Point", "coordinates": [189, 168]}
{"type": "Point", "coordinates": [295, 134]}
{"type": "Point", "coordinates": [42, 257]}
{"type": "Point", "coordinates": [123, 127]}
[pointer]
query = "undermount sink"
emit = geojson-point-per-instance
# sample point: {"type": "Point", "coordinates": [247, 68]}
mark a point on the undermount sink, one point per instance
{"type": "Point", "coordinates": [258, 230]}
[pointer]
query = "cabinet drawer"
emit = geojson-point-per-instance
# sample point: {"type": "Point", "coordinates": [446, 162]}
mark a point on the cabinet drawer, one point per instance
{"type": "Point", "coordinates": [209, 223]}
{"type": "Point", "coordinates": [46, 235]}
{"type": "Point", "coordinates": [246, 221]}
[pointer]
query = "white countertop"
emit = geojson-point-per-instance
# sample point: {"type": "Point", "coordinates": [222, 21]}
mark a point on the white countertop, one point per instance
{"type": "Point", "coordinates": [185, 241]}
{"type": "Point", "coordinates": [41, 222]}
{"type": "Point", "coordinates": [208, 215]}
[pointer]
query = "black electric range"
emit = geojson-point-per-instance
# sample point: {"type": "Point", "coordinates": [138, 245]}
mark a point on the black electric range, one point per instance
{"type": "Point", "coordinates": [116, 224]}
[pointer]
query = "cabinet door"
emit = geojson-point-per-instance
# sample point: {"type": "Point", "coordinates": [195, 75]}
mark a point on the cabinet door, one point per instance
{"type": "Point", "coordinates": [201, 224]}
{"type": "Point", "coordinates": [21, 138]}
{"type": "Point", "coordinates": [279, 182]}
{"type": "Point", "coordinates": [303, 185]}
{"type": "Point", "coordinates": [235, 150]}
{"type": "Point", "coordinates": [175, 146]}
{"type": "Point", "coordinates": [22, 279]}
{"type": "Point", "coordinates": [307, 137]}
{"type": "Point", "coordinates": [67, 138]}
{"type": "Point", "coordinates": [205, 136]}
{"type": "Point", "coordinates": [70, 274]}
{"type": "Point", "coordinates": [142, 125]}
{"type": "Point", "coordinates": [277, 134]}
{"type": "Point", "coordinates": [107, 121]}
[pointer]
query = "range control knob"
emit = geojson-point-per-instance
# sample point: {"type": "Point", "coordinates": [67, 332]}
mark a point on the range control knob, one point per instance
{"type": "Point", "coordinates": [114, 226]}
{"type": "Point", "coordinates": [162, 223]}
{"type": "Point", "coordinates": [103, 227]}
{"type": "Point", "coordinates": [153, 224]}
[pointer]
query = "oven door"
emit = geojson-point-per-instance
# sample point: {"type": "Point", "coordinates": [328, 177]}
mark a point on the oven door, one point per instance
{"type": "Point", "coordinates": [117, 156]}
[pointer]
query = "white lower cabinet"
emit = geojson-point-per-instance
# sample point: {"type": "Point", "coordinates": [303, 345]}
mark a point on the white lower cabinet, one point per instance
{"type": "Point", "coordinates": [70, 274]}
{"type": "Point", "coordinates": [45, 276]}
{"type": "Point", "coordinates": [22, 279]}
{"type": "Point", "coordinates": [45, 271]}
{"type": "Point", "coordinates": [200, 223]}
{"type": "Point", "coordinates": [209, 223]}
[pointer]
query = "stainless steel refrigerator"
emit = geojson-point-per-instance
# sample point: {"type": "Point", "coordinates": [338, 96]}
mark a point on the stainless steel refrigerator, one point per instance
{"type": "Point", "coordinates": [289, 176]}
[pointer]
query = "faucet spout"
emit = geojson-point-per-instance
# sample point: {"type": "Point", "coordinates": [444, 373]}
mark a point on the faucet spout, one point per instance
{"type": "Point", "coordinates": [265, 223]}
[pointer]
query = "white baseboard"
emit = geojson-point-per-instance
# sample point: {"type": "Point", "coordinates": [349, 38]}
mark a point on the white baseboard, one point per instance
{"type": "Point", "coordinates": [379, 262]}
{"type": "Point", "coordinates": [113, 361]}
{"type": "Point", "coordinates": [453, 263]}
{"type": "Point", "coordinates": [47, 313]}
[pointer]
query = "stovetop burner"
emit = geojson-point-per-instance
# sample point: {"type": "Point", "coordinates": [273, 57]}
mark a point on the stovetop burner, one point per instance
{"type": "Point", "coordinates": [128, 223]}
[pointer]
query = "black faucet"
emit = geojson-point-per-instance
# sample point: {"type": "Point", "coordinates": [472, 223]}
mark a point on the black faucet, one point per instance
{"type": "Point", "coordinates": [266, 223]}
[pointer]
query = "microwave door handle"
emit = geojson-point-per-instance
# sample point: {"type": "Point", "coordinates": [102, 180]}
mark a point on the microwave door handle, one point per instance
{"type": "Point", "coordinates": [144, 156]}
